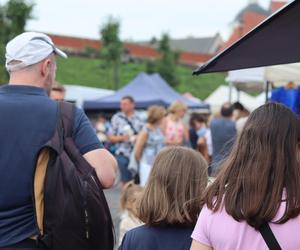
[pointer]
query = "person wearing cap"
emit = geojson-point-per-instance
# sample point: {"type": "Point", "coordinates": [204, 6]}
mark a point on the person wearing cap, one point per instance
{"type": "Point", "coordinates": [28, 119]}
{"type": "Point", "coordinates": [58, 92]}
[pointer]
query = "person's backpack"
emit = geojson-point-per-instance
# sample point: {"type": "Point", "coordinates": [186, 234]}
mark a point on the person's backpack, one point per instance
{"type": "Point", "coordinates": [71, 209]}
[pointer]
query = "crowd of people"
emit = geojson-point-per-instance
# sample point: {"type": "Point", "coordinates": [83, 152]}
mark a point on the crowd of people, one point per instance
{"type": "Point", "coordinates": [168, 200]}
{"type": "Point", "coordinates": [136, 141]}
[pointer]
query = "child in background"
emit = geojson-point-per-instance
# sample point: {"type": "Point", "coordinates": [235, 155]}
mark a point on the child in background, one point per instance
{"type": "Point", "coordinates": [129, 197]}
{"type": "Point", "coordinates": [200, 135]}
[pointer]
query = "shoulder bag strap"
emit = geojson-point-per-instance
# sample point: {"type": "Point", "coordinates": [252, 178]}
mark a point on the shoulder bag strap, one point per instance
{"type": "Point", "coordinates": [129, 123]}
{"type": "Point", "coordinates": [269, 237]}
{"type": "Point", "coordinates": [67, 117]}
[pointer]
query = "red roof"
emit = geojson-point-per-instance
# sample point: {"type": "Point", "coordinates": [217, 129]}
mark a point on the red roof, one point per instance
{"type": "Point", "coordinates": [74, 43]}
{"type": "Point", "coordinates": [193, 58]}
{"type": "Point", "coordinates": [276, 5]}
{"type": "Point", "coordinates": [249, 21]}
{"type": "Point", "coordinates": [135, 50]}
{"type": "Point", "coordinates": [141, 51]}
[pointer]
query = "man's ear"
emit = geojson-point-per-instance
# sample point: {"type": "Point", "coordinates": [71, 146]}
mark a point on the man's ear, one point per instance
{"type": "Point", "coordinates": [45, 69]}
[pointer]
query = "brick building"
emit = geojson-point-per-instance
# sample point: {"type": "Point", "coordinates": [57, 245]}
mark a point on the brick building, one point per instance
{"type": "Point", "coordinates": [249, 17]}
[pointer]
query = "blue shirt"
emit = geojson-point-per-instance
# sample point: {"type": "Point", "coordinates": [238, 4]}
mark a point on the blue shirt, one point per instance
{"type": "Point", "coordinates": [288, 97]}
{"type": "Point", "coordinates": [28, 121]}
{"type": "Point", "coordinates": [121, 127]}
{"type": "Point", "coordinates": [157, 238]}
{"type": "Point", "coordinates": [223, 134]}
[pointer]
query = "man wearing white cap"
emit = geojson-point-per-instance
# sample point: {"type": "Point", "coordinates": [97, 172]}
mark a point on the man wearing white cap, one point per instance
{"type": "Point", "coordinates": [28, 120]}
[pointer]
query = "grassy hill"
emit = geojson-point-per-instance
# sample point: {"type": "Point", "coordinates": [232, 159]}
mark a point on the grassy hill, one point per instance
{"type": "Point", "coordinates": [91, 72]}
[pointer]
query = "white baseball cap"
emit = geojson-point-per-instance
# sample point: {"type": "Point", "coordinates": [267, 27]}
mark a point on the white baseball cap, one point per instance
{"type": "Point", "coordinates": [29, 48]}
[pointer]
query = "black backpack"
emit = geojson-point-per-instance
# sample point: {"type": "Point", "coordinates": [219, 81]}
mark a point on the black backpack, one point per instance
{"type": "Point", "coordinates": [71, 209]}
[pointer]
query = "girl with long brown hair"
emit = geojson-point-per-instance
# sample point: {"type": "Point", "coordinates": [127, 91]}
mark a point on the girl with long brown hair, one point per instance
{"type": "Point", "coordinates": [258, 186]}
{"type": "Point", "coordinates": [170, 203]}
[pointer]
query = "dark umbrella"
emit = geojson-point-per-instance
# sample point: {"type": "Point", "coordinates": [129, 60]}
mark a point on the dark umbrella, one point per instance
{"type": "Point", "coordinates": [275, 41]}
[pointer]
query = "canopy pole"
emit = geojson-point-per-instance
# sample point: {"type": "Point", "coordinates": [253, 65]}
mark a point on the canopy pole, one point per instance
{"type": "Point", "coordinates": [230, 92]}
{"type": "Point", "coordinates": [238, 95]}
{"type": "Point", "coordinates": [267, 90]}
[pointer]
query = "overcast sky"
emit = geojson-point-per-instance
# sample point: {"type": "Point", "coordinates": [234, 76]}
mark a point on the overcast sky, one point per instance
{"type": "Point", "coordinates": [140, 19]}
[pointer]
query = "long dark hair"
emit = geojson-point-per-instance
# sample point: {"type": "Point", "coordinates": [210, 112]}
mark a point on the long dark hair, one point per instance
{"type": "Point", "coordinates": [262, 169]}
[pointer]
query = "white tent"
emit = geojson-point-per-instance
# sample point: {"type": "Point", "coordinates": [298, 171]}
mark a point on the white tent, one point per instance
{"type": "Point", "coordinates": [221, 96]}
{"type": "Point", "coordinates": [79, 94]}
{"type": "Point", "coordinates": [261, 98]}
{"type": "Point", "coordinates": [256, 78]}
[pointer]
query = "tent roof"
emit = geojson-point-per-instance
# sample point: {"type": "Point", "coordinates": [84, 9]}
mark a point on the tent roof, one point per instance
{"type": "Point", "coordinates": [221, 96]}
{"type": "Point", "coordinates": [79, 94]}
{"type": "Point", "coordinates": [275, 41]}
{"type": "Point", "coordinates": [255, 78]}
{"type": "Point", "coordinates": [146, 90]}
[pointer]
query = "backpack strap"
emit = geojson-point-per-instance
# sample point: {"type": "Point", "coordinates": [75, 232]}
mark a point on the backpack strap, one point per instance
{"type": "Point", "coordinates": [64, 127]}
{"type": "Point", "coordinates": [269, 237]}
{"type": "Point", "coordinates": [39, 178]}
{"type": "Point", "coordinates": [66, 114]}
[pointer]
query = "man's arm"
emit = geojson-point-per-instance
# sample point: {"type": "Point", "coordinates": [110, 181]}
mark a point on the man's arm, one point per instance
{"type": "Point", "coordinates": [113, 135]}
{"type": "Point", "coordinates": [104, 164]}
{"type": "Point", "coordinates": [140, 143]}
{"type": "Point", "coordinates": [118, 138]}
{"type": "Point", "coordinates": [92, 149]}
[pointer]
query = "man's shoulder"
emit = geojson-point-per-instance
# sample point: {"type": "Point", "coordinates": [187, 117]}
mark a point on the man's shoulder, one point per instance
{"type": "Point", "coordinates": [215, 121]}
{"type": "Point", "coordinates": [118, 115]}
{"type": "Point", "coordinates": [137, 116]}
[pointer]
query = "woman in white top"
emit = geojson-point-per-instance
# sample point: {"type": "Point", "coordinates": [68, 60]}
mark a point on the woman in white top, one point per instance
{"type": "Point", "coordinates": [149, 142]}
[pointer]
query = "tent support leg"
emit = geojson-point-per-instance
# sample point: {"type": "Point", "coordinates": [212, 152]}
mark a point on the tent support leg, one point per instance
{"type": "Point", "coordinates": [230, 92]}
{"type": "Point", "coordinates": [267, 91]}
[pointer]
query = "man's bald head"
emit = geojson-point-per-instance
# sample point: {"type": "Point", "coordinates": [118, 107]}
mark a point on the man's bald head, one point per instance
{"type": "Point", "coordinates": [227, 110]}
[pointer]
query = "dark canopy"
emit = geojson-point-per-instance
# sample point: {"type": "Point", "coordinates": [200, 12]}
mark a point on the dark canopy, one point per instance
{"type": "Point", "coordinates": [146, 91]}
{"type": "Point", "coordinates": [275, 41]}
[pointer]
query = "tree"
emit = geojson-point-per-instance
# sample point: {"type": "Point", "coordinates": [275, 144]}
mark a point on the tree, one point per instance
{"type": "Point", "coordinates": [151, 67]}
{"type": "Point", "coordinates": [13, 17]}
{"type": "Point", "coordinates": [112, 48]}
{"type": "Point", "coordinates": [167, 64]}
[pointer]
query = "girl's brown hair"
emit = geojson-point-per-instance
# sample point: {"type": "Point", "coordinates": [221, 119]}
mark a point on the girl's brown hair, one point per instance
{"type": "Point", "coordinates": [155, 114]}
{"type": "Point", "coordinates": [262, 169]}
{"type": "Point", "coordinates": [174, 189]}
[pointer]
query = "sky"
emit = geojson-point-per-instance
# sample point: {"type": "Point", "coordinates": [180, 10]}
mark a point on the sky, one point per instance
{"type": "Point", "coordinates": [140, 19]}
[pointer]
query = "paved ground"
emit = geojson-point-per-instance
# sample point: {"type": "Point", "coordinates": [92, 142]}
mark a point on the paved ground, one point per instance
{"type": "Point", "coordinates": [113, 199]}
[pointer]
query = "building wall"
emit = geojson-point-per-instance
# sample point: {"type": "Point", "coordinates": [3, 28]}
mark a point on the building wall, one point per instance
{"type": "Point", "coordinates": [249, 21]}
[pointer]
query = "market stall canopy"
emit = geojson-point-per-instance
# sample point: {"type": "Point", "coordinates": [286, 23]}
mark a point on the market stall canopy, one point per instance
{"type": "Point", "coordinates": [273, 42]}
{"type": "Point", "coordinates": [146, 91]}
{"type": "Point", "coordinates": [221, 96]}
{"type": "Point", "coordinates": [254, 79]}
{"type": "Point", "coordinates": [79, 94]}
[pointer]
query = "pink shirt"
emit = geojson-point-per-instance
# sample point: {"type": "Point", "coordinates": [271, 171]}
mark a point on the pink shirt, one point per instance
{"type": "Point", "coordinates": [220, 231]}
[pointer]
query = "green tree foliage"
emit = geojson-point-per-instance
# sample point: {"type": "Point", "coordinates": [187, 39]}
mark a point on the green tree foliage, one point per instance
{"type": "Point", "coordinates": [151, 67]}
{"type": "Point", "coordinates": [167, 64]}
{"type": "Point", "coordinates": [112, 48]}
{"type": "Point", "coordinates": [13, 17]}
